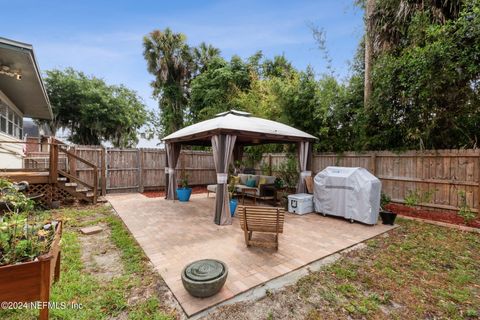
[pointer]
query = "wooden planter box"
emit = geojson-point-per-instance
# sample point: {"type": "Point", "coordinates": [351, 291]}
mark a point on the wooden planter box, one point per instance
{"type": "Point", "coordinates": [31, 281]}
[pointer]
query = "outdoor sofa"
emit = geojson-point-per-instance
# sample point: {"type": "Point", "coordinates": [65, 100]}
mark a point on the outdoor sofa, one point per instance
{"type": "Point", "coordinates": [264, 186]}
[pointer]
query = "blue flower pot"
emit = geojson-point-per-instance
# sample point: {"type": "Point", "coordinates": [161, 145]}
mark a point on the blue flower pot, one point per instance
{"type": "Point", "coordinates": [183, 194]}
{"type": "Point", "coordinates": [233, 206]}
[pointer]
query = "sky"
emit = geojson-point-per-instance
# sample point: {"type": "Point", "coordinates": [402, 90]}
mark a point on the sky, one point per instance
{"type": "Point", "coordinates": [104, 38]}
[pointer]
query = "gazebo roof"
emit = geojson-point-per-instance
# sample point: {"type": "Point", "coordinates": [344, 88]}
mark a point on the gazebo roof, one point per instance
{"type": "Point", "coordinates": [248, 129]}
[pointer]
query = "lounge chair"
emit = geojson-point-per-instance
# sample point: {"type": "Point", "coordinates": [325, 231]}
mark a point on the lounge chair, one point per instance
{"type": "Point", "coordinates": [261, 219]}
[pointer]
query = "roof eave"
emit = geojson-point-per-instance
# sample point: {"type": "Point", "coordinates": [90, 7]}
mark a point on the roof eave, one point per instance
{"type": "Point", "coordinates": [25, 47]}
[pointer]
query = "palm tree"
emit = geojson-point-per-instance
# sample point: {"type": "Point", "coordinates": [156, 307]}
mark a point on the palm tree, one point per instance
{"type": "Point", "coordinates": [369, 36]}
{"type": "Point", "coordinates": [170, 60]}
{"type": "Point", "coordinates": [391, 18]}
{"type": "Point", "coordinates": [387, 22]}
{"type": "Point", "coordinates": [203, 55]}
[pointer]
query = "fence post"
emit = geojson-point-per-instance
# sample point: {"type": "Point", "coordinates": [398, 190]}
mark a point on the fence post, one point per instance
{"type": "Point", "coordinates": [373, 165]}
{"type": "Point", "coordinates": [72, 163]}
{"type": "Point", "coordinates": [269, 164]}
{"type": "Point", "coordinates": [182, 163]}
{"type": "Point", "coordinates": [103, 171]}
{"type": "Point", "coordinates": [53, 165]}
{"type": "Point", "coordinates": [140, 169]}
{"type": "Point", "coordinates": [478, 191]}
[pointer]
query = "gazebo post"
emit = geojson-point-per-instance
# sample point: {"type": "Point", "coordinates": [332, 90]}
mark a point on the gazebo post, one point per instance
{"type": "Point", "coordinates": [310, 158]}
{"type": "Point", "coordinates": [166, 173]}
{"type": "Point", "coordinates": [237, 153]}
{"type": "Point", "coordinates": [222, 146]}
{"type": "Point", "coordinates": [219, 195]}
{"type": "Point", "coordinates": [173, 153]}
{"type": "Point", "coordinates": [304, 151]}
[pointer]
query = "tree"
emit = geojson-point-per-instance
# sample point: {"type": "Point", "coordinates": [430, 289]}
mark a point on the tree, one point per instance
{"type": "Point", "coordinates": [203, 55]}
{"type": "Point", "coordinates": [426, 91]}
{"type": "Point", "coordinates": [214, 90]}
{"type": "Point", "coordinates": [369, 36]}
{"type": "Point", "coordinates": [92, 111]}
{"type": "Point", "coordinates": [170, 60]}
{"type": "Point", "coordinates": [174, 64]}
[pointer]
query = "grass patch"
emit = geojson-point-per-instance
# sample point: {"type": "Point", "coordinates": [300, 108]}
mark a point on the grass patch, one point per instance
{"type": "Point", "coordinates": [99, 299]}
{"type": "Point", "coordinates": [418, 271]}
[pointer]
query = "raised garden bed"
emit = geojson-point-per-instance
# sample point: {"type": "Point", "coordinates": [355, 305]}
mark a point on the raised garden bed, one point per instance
{"type": "Point", "coordinates": [31, 281]}
{"type": "Point", "coordinates": [442, 216]}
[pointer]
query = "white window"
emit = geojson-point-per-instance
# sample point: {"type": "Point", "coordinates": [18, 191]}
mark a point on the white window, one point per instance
{"type": "Point", "coordinates": [11, 122]}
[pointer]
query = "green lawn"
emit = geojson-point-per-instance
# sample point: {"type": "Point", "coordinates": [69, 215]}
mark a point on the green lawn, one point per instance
{"type": "Point", "coordinates": [419, 271]}
{"type": "Point", "coordinates": [101, 299]}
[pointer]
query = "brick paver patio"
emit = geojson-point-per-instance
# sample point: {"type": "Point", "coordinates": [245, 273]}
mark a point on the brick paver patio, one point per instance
{"type": "Point", "coordinates": [173, 234]}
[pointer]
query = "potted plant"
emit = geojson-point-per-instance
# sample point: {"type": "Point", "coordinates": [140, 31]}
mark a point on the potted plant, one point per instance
{"type": "Point", "coordinates": [231, 192]}
{"type": "Point", "coordinates": [388, 217]}
{"type": "Point", "coordinates": [29, 250]}
{"type": "Point", "coordinates": [279, 184]}
{"type": "Point", "coordinates": [183, 191]}
{"type": "Point", "coordinates": [288, 174]}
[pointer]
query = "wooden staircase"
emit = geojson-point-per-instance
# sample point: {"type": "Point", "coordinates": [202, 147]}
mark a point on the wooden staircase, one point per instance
{"type": "Point", "coordinates": [67, 179]}
{"type": "Point", "coordinates": [74, 189]}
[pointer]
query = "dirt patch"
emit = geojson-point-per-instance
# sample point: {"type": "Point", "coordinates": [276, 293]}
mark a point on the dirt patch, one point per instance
{"type": "Point", "coordinates": [157, 194]}
{"type": "Point", "coordinates": [100, 257]}
{"type": "Point", "coordinates": [442, 216]}
{"type": "Point", "coordinates": [280, 306]}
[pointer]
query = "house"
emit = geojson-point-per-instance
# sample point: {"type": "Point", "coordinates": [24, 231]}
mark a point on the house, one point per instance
{"type": "Point", "coordinates": [36, 136]}
{"type": "Point", "coordinates": [22, 95]}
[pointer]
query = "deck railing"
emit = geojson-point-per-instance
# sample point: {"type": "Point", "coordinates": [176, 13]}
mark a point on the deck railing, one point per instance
{"type": "Point", "coordinates": [58, 161]}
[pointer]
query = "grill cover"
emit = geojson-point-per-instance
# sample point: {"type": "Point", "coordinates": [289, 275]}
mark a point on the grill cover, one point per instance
{"type": "Point", "coordinates": [352, 193]}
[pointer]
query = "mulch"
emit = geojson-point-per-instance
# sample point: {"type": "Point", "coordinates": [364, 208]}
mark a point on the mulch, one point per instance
{"type": "Point", "coordinates": [442, 216]}
{"type": "Point", "coordinates": [157, 194]}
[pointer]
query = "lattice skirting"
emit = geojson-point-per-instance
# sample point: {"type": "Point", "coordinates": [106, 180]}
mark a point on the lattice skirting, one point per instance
{"type": "Point", "coordinates": [49, 193]}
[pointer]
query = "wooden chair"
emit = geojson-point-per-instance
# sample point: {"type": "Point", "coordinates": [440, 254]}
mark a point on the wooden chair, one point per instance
{"type": "Point", "coordinates": [309, 184]}
{"type": "Point", "coordinates": [261, 219]}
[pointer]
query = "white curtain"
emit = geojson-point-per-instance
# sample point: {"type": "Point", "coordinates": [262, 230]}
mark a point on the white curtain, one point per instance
{"type": "Point", "coordinates": [222, 146]}
{"type": "Point", "coordinates": [173, 153]}
{"type": "Point", "coordinates": [303, 152]}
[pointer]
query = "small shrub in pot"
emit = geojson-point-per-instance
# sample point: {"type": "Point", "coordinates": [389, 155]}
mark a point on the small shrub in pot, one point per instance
{"type": "Point", "coordinates": [387, 216]}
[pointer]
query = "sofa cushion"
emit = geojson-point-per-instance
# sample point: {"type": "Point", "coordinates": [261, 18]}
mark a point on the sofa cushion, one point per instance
{"type": "Point", "coordinates": [251, 183]}
{"type": "Point", "coordinates": [243, 178]}
{"type": "Point", "coordinates": [269, 179]}
{"type": "Point", "coordinates": [261, 181]}
{"type": "Point", "coordinates": [254, 177]}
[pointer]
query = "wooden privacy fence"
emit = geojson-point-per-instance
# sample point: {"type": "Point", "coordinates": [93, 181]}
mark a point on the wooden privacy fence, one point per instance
{"type": "Point", "coordinates": [443, 172]}
{"type": "Point", "coordinates": [131, 170]}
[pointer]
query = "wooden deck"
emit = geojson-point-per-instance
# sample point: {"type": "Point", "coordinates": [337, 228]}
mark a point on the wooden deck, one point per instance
{"type": "Point", "coordinates": [32, 177]}
{"type": "Point", "coordinates": [56, 183]}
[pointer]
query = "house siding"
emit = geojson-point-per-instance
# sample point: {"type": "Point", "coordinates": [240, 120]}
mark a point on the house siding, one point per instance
{"type": "Point", "coordinates": [11, 154]}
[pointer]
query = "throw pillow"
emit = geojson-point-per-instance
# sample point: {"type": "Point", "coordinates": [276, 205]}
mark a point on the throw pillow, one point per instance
{"type": "Point", "coordinates": [262, 180]}
{"type": "Point", "coordinates": [236, 180]}
{"type": "Point", "coordinates": [251, 183]}
{"type": "Point", "coordinates": [254, 177]}
{"type": "Point", "coordinates": [243, 178]}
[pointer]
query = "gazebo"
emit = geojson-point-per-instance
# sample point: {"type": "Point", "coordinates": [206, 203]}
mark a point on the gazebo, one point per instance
{"type": "Point", "coordinates": [228, 133]}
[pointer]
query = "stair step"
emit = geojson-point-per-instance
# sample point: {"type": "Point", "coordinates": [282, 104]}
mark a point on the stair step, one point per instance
{"type": "Point", "coordinates": [71, 184]}
{"type": "Point", "coordinates": [62, 179]}
{"type": "Point", "coordinates": [82, 190]}
{"type": "Point", "coordinates": [89, 194]}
